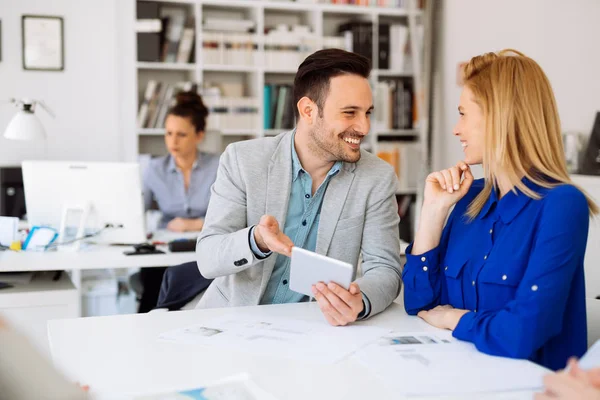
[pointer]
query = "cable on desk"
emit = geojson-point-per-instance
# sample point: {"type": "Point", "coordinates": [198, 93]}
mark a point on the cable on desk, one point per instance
{"type": "Point", "coordinates": [89, 235]}
{"type": "Point", "coordinates": [7, 248]}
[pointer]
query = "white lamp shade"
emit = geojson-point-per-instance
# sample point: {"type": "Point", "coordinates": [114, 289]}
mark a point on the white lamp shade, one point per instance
{"type": "Point", "coordinates": [25, 126]}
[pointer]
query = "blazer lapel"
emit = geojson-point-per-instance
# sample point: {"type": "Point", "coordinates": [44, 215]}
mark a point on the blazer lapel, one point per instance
{"type": "Point", "coordinates": [279, 186]}
{"type": "Point", "coordinates": [333, 203]}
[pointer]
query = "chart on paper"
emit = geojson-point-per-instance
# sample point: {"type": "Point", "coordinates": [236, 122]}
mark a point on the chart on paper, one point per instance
{"type": "Point", "coordinates": [300, 340]}
{"type": "Point", "coordinates": [426, 364]}
{"type": "Point", "coordinates": [237, 387]}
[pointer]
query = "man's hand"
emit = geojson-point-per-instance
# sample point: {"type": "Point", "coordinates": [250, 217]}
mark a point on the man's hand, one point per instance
{"type": "Point", "coordinates": [445, 317]}
{"type": "Point", "coordinates": [340, 306]}
{"type": "Point", "coordinates": [269, 237]}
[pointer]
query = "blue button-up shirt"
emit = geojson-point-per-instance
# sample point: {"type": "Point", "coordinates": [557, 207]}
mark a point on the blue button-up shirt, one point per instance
{"type": "Point", "coordinates": [163, 182]}
{"type": "Point", "coordinates": [301, 226]}
{"type": "Point", "coordinates": [517, 267]}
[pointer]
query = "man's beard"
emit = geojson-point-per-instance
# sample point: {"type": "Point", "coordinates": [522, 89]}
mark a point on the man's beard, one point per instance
{"type": "Point", "coordinates": [332, 147]}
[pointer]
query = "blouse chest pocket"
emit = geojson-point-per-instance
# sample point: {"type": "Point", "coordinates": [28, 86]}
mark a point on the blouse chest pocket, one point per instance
{"type": "Point", "coordinates": [499, 282]}
{"type": "Point", "coordinates": [453, 270]}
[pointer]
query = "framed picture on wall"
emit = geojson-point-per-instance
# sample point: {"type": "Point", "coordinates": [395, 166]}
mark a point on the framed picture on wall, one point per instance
{"type": "Point", "coordinates": [43, 43]}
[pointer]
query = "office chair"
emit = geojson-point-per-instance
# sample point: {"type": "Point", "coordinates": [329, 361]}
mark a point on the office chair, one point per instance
{"type": "Point", "coordinates": [180, 285]}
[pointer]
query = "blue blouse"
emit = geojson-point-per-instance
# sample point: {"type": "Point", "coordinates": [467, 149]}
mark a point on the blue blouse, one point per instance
{"type": "Point", "coordinates": [518, 268]}
{"type": "Point", "coordinates": [164, 183]}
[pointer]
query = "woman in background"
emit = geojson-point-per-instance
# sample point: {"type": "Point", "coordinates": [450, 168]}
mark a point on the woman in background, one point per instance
{"type": "Point", "coordinates": [179, 183]}
{"type": "Point", "coordinates": [506, 271]}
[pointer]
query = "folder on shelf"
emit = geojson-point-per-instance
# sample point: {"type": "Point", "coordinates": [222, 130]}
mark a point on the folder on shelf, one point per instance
{"type": "Point", "coordinates": [267, 107]}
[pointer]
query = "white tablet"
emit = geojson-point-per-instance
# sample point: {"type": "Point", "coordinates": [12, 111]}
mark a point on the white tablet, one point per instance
{"type": "Point", "coordinates": [309, 268]}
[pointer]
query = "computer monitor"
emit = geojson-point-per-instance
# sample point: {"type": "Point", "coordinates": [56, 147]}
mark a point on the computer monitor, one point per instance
{"type": "Point", "coordinates": [111, 192]}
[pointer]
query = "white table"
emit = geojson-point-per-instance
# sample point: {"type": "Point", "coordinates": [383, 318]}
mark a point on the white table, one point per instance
{"type": "Point", "coordinates": [121, 356]}
{"type": "Point", "coordinates": [30, 307]}
{"type": "Point", "coordinates": [95, 257]}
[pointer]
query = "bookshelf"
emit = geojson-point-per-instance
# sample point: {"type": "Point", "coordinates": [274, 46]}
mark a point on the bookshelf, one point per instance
{"type": "Point", "coordinates": [164, 66]}
{"type": "Point", "coordinates": [240, 65]}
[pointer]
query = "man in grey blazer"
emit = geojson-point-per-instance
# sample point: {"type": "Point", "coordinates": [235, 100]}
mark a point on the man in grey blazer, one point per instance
{"type": "Point", "coordinates": [316, 184]}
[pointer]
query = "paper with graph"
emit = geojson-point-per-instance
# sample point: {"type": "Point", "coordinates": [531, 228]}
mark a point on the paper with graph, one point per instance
{"type": "Point", "coordinates": [278, 337]}
{"type": "Point", "coordinates": [427, 364]}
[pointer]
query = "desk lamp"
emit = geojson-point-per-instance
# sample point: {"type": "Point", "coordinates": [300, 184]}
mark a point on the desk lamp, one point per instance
{"type": "Point", "coordinates": [25, 125]}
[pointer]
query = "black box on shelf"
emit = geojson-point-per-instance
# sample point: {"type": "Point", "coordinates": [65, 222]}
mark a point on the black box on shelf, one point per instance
{"type": "Point", "coordinates": [148, 47]}
{"type": "Point", "coordinates": [147, 10]}
{"type": "Point", "coordinates": [148, 42]}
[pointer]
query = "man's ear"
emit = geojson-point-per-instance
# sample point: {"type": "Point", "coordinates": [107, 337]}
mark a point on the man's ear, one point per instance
{"type": "Point", "coordinates": [307, 109]}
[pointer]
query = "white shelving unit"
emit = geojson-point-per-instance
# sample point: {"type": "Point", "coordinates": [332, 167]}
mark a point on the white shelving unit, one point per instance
{"type": "Point", "coordinates": [323, 21]}
{"type": "Point", "coordinates": [160, 66]}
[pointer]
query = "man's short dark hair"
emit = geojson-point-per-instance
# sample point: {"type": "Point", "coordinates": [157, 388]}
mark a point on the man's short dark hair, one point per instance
{"type": "Point", "coordinates": [315, 72]}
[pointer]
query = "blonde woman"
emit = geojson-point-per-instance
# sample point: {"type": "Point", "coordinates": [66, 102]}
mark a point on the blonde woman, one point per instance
{"type": "Point", "coordinates": [506, 271]}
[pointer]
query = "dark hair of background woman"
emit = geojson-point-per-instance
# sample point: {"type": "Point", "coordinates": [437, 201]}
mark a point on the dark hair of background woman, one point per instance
{"type": "Point", "coordinates": [189, 105]}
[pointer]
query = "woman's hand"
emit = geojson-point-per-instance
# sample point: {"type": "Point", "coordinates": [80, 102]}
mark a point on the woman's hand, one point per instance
{"type": "Point", "coordinates": [185, 225]}
{"type": "Point", "coordinates": [445, 188]}
{"type": "Point", "coordinates": [445, 317]}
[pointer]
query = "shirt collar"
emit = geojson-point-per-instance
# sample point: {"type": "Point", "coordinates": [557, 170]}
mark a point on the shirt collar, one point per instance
{"type": "Point", "coordinates": [489, 204]}
{"type": "Point", "coordinates": [297, 166]}
{"type": "Point", "coordinates": [511, 204]}
{"type": "Point", "coordinates": [172, 167]}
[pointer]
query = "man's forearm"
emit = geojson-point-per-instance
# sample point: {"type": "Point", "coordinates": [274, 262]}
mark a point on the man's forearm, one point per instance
{"type": "Point", "coordinates": [224, 254]}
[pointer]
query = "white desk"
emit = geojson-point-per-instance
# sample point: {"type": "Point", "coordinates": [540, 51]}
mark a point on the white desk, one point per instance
{"type": "Point", "coordinates": [121, 356]}
{"type": "Point", "coordinates": [94, 257]}
{"type": "Point", "coordinates": [31, 306]}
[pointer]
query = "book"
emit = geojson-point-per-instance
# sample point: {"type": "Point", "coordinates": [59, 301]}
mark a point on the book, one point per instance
{"type": "Point", "coordinates": [394, 104]}
{"type": "Point", "coordinates": [405, 158]}
{"type": "Point", "coordinates": [398, 40]}
{"type": "Point", "coordinates": [362, 37]}
{"type": "Point", "coordinates": [267, 107]}
{"type": "Point", "coordinates": [176, 18]}
{"type": "Point", "coordinates": [145, 103]}
{"type": "Point", "coordinates": [158, 99]}
{"type": "Point", "coordinates": [384, 46]}
{"type": "Point", "coordinates": [155, 105]}
{"type": "Point", "coordinates": [165, 105]}
{"type": "Point", "coordinates": [186, 43]}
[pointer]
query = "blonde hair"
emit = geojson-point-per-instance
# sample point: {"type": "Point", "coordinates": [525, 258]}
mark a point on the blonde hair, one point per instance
{"type": "Point", "coordinates": [522, 127]}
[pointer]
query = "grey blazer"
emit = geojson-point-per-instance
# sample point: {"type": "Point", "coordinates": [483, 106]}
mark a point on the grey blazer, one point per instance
{"type": "Point", "coordinates": [359, 215]}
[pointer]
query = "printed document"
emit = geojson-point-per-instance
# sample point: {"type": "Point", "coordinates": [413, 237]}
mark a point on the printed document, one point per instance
{"type": "Point", "coordinates": [426, 364]}
{"type": "Point", "coordinates": [239, 387]}
{"type": "Point", "coordinates": [279, 337]}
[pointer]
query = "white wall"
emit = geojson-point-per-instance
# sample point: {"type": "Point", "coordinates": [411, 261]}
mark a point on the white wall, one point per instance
{"type": "Point", "coordinates": [562, 36]}
{"type": "Point", "coordinates": [83, 97]}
